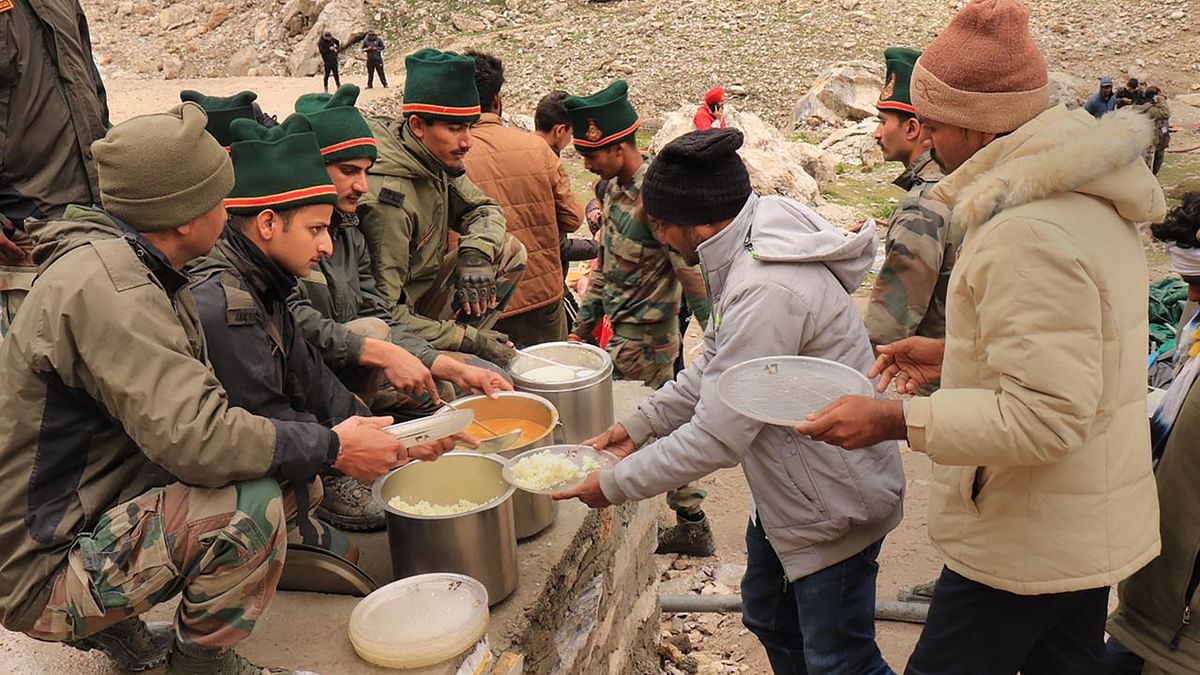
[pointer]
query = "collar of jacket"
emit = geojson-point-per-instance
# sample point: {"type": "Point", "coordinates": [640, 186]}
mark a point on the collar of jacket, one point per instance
{"type": "Point", "coordinates": [718, 253]}
{"type": "Point", "coordinates": [155, 260]}
{"type": "Point", "coordinates": [1058, 151]}
{"type": "Point", "coordinates": [634, 186]}
{"type": "Point", "coordinates": [422, 154]}
{"type": "Point", "coordinates": [266, 279]}
{"type": "Point", "coordinates": [913, 174]}
{"type": "Point", "coordinates": [489, 119]}
{"type": "Point", "coordinates": [342, 220]}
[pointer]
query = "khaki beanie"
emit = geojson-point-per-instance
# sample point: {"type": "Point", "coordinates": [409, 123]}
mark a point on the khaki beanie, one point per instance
{"type": "Point", "coordinates": [984, 71]}
{"type": "Point", "coordinates": [161, 171]}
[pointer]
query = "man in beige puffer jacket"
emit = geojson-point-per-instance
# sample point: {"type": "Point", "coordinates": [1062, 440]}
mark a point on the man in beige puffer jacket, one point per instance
{"type": "Point", "coordinates": [1043, 494]}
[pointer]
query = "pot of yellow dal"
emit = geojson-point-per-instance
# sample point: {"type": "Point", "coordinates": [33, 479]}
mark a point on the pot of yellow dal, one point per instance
{"type": "Point", "coordinates": [537, 419]}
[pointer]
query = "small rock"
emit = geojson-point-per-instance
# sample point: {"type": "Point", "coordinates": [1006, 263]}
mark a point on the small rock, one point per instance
{"type": "Point", "coordinates": [194, 32]}
{"type": "Point", "coordinates": [175, 16]}
{"type": "Point", "coordinates": [217, 17]}
{"type": "Point", "coordinates": [682, 642]}
{"type": "Point", "coordinates": [125, 9]}
{"type": "Point", "coordinates": [468, 24]}
{"type": "Point", "coordinates": [172, 67]}
{"type": "Point", "coordinates": [679, 564]}
{"type": "Point", "coordinates": [850, 4]}
{"type": "Point", "coordinates": [1177, 15]}
{"type": "Point", "coordinates": [736, 90]}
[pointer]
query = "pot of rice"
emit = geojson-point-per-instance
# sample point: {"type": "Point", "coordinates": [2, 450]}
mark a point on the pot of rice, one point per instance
{"type": "Point", "coordinates": [452, 515]}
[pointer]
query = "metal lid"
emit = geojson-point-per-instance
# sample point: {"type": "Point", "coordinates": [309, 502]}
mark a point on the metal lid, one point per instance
{"type": "Point", "coordinates": [316, 570]}
{"type": "Point", "coordinates": [783, 390]}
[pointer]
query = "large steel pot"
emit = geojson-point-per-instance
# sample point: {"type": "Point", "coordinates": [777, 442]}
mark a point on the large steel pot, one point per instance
{"type": "Point", "coordinates": [534, 513]}
{"type": "Point", "coordinates": [480, 543]}
{"type": "Point", "coordinates": [585, 404]}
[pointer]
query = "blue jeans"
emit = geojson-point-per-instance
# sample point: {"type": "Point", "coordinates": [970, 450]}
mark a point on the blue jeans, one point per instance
{"type": "Point", "coordinates": [821, 624]}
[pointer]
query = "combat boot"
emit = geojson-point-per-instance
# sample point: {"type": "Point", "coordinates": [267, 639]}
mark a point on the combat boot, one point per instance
{"type": "Point", "coordinates": [349, 505]}
{"type": "Point", "coordinates": [192, 660]}
{"type": "Point", "coordinates": [691, 535]}
{"type": "Point", "coordinates": [132, 644]}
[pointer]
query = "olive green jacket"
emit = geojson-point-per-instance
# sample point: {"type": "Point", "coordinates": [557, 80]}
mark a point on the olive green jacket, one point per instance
{"type": "Point", "coordinates": [406, 216]}
{"type": "Point", "coordinates": [1159, 614]}
{"type": "Point", "coordinates": [108, 393]}
{"type": "Point", "coordinates": [53, 105]}
{"type": "Point", "coordinates": [340, 290]}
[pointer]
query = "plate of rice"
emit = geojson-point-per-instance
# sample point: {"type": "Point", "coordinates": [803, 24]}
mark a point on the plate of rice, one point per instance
{"type": "Point", "coordinates": [548, 470]}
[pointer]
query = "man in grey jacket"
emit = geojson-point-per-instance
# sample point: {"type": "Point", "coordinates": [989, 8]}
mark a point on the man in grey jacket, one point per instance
{"type": "Point", "coordinates": [779, 278]}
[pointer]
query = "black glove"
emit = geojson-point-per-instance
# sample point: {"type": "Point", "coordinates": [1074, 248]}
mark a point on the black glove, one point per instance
{"type": "Point", "coordinates": [475, 278]}
{"type": "Point", "coordinates": [491, 345]}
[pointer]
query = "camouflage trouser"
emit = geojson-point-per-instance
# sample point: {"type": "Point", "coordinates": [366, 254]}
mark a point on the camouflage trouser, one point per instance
{"type": "Point", "coordinates": [687, 499]}
{"type": "Point", "coordinates": [440, 303]}
{"type": "Point", "coordinates": [15, 282]}
{"type": "Point", "coordinates": [650, 359]}
{"type": "Point", "coordinates": [223, 549]}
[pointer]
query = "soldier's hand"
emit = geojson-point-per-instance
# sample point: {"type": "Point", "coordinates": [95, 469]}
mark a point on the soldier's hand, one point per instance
{"type": "Point", "coordinates": [10, 253]}
{"type": "Point", "coordinates": [367, 452]}
{"type": "Point", "coordinates": [615, 440]}
{"type": "Point", "coordinates": [854, 422]}
{"type": "Point", "coordinates": [912, 363]}
{"type": "Point", "coordinates": [491, 345]}
{"type": "Point", "coordinates": [475, 282]}
{"type": "Point", "coordinates": [405, 371]}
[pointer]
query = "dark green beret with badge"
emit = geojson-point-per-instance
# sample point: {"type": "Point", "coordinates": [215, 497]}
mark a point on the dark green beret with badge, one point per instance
{"type": "Point", "coordinates": [278, 168]}
{"type": "Point", "coordinates": [222, 111]}
{"type": "Point", "coordinates": [895, 95]}
{"type": "Point", "coordinates": [440, 86]}
{"type": "Point", "coordinates": [602, 119]}
{"type": "Point", "coordinates": [340, 128]}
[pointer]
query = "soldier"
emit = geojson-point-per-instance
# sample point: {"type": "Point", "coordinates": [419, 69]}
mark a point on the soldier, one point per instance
{"type": "Point", "coordinates": [418, 193]}
{"type": "Point", "coordinates": [638, 283]}
{"type": "Point", "coordinates": [55, 107]}
{"type": "Point", "coordinates": [519, 170]}
{"type": "Point", "coordinates": [337, 306]}
{"type": "Point", "coordinates": [223, 110]}
{"type": "Point", "coordinates": [909, 297]}
{"type": "Point", "coordinates": [130, 478]}
{"type": "Point", "coordinates": [278, 230]}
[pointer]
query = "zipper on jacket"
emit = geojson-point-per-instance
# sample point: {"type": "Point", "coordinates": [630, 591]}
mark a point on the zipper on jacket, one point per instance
{"type": "Point", "coordinates": [1183, 624]}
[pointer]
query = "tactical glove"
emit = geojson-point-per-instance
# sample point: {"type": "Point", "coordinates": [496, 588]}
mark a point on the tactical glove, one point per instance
{"type": "Point", "coordinates": [488, 344]}
{"type": "Point", "coordinates": [475, 278]}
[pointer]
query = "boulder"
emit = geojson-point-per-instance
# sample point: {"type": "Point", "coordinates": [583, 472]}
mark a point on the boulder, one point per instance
{"type": "Point", "coordinates": [855, 145]}
{"type": "Point", "coordinates": [468, 24]}
{"type": "Point", "coordinates": [172, 67]}
{"type": "Point", "coordinates": [847, 91]}
{"type": "Point", "coordinates": [1069, 89]}
{"type": "Point", "coordinates": [175, 16]}
{"type": "Point", "coordinates": [777, 166]}
{"type": "Point", "coordinates": [217, 17]}
{"type": "Point", "coordinates": [297, 15]}
{"type": "Point", "coordinates": [345, 19]}
{"type": "Point", "coordinates": [242, 61]}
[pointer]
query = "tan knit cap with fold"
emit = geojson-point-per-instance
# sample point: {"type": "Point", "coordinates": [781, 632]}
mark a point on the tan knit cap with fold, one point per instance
{"type": "Point", "coordinates": [984, 71]}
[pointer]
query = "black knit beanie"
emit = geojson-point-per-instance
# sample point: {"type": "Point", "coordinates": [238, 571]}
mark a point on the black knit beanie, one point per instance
{"type": "Point", "coordinates": [697, 179]}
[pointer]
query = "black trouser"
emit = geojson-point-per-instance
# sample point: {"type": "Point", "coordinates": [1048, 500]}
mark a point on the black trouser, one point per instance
{"type": "Point", "coordinates": [331, 69]}
{"type": "Point", "coordinates": [375, 66]}
{"type": "Point", "coordinates": [974, 629]}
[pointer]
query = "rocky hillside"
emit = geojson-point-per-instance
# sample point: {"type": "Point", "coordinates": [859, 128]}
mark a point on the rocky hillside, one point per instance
{"type": "Point", "coordinates": [670, 51]}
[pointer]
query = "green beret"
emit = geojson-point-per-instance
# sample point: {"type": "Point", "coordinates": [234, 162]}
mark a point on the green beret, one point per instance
{"type": "Point", "coordinates": [602, 119]}
{"type": "Point", "coordinates": [278, 168]}
{"type": "Point", "coordinates": [222, 111]}
{"type": "Point", "coordinates": [895, 95]}
{"type": "Point", "coordinates": [440, 86]}
{"type": "Point", "coordinates": [341, 130]}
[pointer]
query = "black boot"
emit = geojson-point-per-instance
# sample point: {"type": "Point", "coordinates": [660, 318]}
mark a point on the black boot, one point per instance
{"type": "Point", "coordinates": [691, 535]}
{"type": "Point", "coordinates": [132, 644]}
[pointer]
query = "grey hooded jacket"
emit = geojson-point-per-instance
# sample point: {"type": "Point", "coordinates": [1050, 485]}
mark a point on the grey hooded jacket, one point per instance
{"type": "Point", "coordinates": [779, 277]}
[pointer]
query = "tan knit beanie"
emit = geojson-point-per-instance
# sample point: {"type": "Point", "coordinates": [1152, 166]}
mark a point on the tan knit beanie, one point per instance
{"type": "Point", "coordinates": [161, 171]}
{"type": "Point", "coordinates": [984, 71]}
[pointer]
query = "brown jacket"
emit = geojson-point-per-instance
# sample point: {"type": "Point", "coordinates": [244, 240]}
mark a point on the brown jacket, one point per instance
{"type": "Point", "coordinates": [519, 170]}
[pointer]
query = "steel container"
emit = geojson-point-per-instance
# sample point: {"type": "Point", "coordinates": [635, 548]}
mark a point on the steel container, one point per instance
{"type": "Point", "coordinates": [585, 404]}
{"type": "Point", "coordinates": [533, 513]}
{"type": "Point", "coordinates": [480, 543]}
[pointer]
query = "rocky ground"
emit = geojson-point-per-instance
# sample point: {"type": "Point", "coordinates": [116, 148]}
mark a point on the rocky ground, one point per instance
{"type": "Point", "coordinates": [767, 50]}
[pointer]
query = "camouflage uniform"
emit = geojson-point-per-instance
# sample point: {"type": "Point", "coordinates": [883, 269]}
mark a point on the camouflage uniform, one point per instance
{"type": "Point", "coordinates": [909, 297]}
{"type": "Point", "coordinates": [638, 285]}
{"type": "Point", "coordinates": [211, 545]}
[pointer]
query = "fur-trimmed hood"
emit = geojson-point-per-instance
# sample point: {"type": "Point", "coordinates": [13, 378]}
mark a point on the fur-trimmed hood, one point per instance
{"type": "Point", "coordinates": [1059, 151]}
